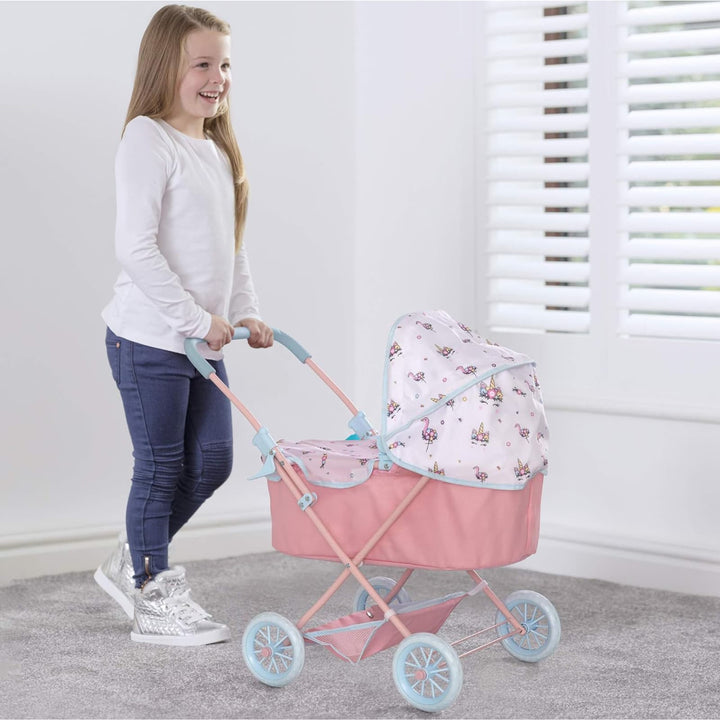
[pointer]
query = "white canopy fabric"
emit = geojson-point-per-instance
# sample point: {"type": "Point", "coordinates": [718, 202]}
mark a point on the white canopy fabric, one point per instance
{"type": "Point", "coordinates": [460, 408]}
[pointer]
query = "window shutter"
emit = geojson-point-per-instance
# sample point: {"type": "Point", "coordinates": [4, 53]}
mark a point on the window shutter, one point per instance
{"type": "Point", "coordinates": [537, 141]}
{"type": "Point", "coordinates": [657, 260]}
{"type": "Point", "coordinates": [669, 66]}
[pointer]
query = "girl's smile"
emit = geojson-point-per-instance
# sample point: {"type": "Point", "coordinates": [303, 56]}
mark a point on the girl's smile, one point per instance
{"type": "Point", "coordinates": [204, 84]}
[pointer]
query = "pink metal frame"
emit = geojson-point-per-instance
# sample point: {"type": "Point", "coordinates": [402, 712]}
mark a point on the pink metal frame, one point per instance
{"type": "Point", "coordinates": [299, 490]}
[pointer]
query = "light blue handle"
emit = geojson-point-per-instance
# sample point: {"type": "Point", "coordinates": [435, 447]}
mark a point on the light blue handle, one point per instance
{"type": "Point", "coordinates": [241, 333]}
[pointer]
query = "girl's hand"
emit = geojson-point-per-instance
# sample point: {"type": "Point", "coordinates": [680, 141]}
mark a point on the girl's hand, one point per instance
{"type": "Point", "coordinates": [261, 335]}
{"type": "Point", "coordinates": [221, 333]}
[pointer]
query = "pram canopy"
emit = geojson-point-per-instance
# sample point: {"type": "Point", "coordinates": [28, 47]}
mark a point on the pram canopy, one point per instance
{"type": "Point", "coordinates": [460, 408]}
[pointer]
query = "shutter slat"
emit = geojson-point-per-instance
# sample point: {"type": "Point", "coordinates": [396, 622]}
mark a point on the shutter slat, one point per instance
{"type": "Point", "coordinates": [551, 197]}
{"type": "Point", "coordinates": [708, 117]}
{"type": "Point", "coordinates": [661, 249]}
{"type": "Point", "coordinates": [668, 41]}
{"type": "Point", "coordinates": [502, 267]}
{"type": "Point", "coordinates": [547, 222]}
{"type": "Point", "coordinates": [697, 302]}
{"type": "Point", "coordinates": [672, 14]}
{"type": "Point", "coordinates": [672, 222]}
{"type": "Point", "coordinates": [501, 145]}
{"type": "Point", "coordinates": [557, 122]}
{"type": "Point", "coordinates": [672, 92]}
{"type": "Point", "coordinates": [539, 245]}
{"type": "Point", "coordinates": [500, 48]}
{"type": "Point", "coordinates": [511, 23]}
{"type": "Point", "coordinates": [501, 96]}
{"type": "Point", "coordinates": [671, 327]}
{"type": "Point", "coordinates": [677, 196]}
{"type": "Point", "coordinates": [516, 72]}
{"type": "Point", "coordinates": [663, 145]}
{"type": "Point", "coordinates": [671, 170]}
{"type": "Point", "coordinates": [671, 275]}
{"type": "Point", "coordinates": [549, 172]}
{"type": "Point", "coordinates": [670, 67]}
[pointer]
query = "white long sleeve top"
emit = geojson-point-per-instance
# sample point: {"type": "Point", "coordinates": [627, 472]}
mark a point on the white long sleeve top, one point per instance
{"type": "Point", "coordinates": [175, 240]}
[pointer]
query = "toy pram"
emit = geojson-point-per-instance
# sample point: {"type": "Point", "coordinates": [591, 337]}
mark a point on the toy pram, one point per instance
{"type": "Point", "coordinates": [453, 481]}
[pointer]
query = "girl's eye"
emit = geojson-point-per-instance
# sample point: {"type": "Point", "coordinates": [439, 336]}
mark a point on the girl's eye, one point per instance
{"type": "Point", "coordinates": [226, 66]}
{"type": "Point", "coordinates": [202, 65]}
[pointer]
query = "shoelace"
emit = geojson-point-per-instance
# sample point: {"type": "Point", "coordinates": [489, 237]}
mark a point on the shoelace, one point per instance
{"type": "Point", "coordinates": [185, 609]}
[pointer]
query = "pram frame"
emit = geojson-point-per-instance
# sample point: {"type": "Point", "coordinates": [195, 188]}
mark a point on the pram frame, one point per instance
{"type": "Point", "coordinates": [305, 499]}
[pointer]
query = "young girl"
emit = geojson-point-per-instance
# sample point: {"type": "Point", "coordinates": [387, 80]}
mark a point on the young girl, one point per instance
{"type": "Point", "coordinates": [181, 206]}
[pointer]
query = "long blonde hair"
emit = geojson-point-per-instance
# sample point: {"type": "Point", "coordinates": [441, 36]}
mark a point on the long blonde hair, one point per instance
{"type": "Point", "coordinates": [160, 61]}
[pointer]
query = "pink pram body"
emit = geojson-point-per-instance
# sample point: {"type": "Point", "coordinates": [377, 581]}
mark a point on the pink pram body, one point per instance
{"type": "Point", "coordinates": [448, 527]}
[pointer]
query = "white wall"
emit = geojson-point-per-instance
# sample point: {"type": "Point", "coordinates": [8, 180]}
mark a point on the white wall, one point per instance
{"type": "Point", "coordinates": [66, 456]}
{"type": "Point", "coordinates": [357, 122]}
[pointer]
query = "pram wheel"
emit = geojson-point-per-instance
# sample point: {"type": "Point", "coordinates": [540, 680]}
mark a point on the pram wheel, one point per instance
{"type": "Point", "coordinates": [273, 649]}
{"type": "Point", "coordinates": [383, 586]}
{"type": "Point", "coordinates": [427, 672]}
{"type": "Point", "coordinates": [539, 618]}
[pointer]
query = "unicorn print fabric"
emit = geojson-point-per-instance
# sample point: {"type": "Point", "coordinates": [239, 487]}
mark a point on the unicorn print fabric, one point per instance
{"type": "Point", "coordinates": [460, 408]}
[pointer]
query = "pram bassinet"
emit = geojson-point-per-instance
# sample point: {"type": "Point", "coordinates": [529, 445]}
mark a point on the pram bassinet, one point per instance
{"type": "Point", "coordinates": [458, 409]}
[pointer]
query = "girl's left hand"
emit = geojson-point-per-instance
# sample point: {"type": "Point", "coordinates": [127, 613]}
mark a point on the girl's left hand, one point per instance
{"type": "Point", "coordinates": [261, 335]}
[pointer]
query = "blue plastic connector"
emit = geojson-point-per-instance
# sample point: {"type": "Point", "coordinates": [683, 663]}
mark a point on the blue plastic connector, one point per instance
{"type": "Point", "coordinates": [361, 426]}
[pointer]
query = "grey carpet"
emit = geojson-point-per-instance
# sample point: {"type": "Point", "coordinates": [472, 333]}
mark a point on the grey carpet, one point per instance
{"type": "Point", "coordinates": [625, 652]}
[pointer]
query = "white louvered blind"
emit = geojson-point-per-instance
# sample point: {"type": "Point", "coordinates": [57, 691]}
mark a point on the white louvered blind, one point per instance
{"type": "Point", "coordinates": [661, 193]}
{"type": "Point", "coordinates": [537, 123]}
{"type": "Point", "coordinates": [669, 117]}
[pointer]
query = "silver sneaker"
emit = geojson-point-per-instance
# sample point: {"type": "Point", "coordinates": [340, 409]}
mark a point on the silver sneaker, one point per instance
{"type": "Point", "coordinates": [115, 576]}
{"type": "Point", "coordinates": [166, 615]}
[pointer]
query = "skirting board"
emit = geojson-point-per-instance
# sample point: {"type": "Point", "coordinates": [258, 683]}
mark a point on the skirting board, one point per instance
{"type": "Point", "coordinates": [562, 551]}
{"type": "Point", "coordinates": [83, 550]}
{"type": "Point", "coordinates": [629, 561]}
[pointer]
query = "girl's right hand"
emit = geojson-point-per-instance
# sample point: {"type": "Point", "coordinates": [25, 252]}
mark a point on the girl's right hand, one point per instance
{"type": "Point", "coordinates": [221, 333]}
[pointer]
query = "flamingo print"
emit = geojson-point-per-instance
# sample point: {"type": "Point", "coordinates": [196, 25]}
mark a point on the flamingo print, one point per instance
{"type": "Point", "coordinates": [429, 435]}
{"type": "Point", "coordinates": [417, 377]}
{"type": "Point", "coordinates": [481, 476]}
{"type": "Point", "coordinates": [323, 460]}
{"type": "Point", "coordinates": [467, 369]}
{"type": "Point", "coordinates": [426, 325]}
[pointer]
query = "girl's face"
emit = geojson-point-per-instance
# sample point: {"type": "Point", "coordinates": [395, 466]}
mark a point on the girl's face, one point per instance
{"type": "Point", "coordinates": [205, 82]}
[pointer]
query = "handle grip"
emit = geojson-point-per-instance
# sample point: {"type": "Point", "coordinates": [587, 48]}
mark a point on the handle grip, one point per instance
{"type": "Point", "coordinates": [241, 333]}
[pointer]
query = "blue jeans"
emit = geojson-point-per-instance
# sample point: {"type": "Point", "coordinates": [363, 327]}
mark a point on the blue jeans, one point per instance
{"type": "Point", "coordinates": [181, 430]}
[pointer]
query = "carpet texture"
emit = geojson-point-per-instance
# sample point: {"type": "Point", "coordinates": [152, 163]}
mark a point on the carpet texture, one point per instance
{"type": "Point", "coordinates": [625, 652]}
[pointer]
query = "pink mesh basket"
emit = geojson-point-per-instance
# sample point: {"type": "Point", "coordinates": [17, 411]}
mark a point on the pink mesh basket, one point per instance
{"type": "Point", "coordinates": [361, 634]}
